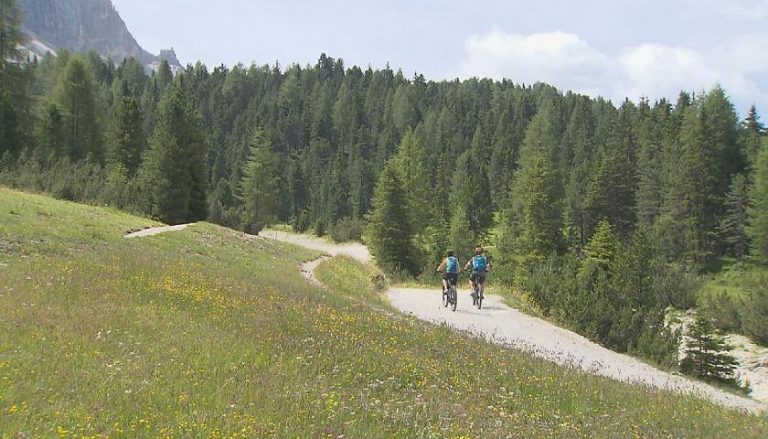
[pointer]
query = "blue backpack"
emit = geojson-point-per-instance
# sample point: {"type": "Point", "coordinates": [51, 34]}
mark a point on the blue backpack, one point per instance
{"type": "Point", "coordinates": [451, 265]}
{"type": "Point", "coordinates": [479, 263]}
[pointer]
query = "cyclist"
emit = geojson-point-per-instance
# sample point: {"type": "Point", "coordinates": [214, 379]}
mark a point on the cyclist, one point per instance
{"type": "Point", "coordinates": [451, 266]}
{"type": "Point", "coordinates": [480, 265]}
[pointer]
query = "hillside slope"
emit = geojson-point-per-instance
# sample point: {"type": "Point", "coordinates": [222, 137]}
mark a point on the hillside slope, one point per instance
{"type": "Point", "coordinates": [207, 332]}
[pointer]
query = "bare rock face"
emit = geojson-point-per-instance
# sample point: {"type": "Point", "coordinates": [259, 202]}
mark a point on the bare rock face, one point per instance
{"type": "Point", "coordinates": [82, 26]}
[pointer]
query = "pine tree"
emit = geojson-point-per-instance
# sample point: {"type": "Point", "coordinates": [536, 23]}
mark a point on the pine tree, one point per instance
{"type": "Point", "coordinates": [10, 32]}
{"type": "Point", "coordinates": [259, 190]}
{"type": "Point", "coordinates": [757, 212]}
{"type": "Point", "coordinates": [706, 353]}
{"type": "Point", "coordinates": [603, 246]}
{"type": "Point", "coordinates": [471, 194]}
{"type": "Point", "coordinates": [389, 234]}
{"type": "Point", "coordinates": [76, 97]}
{"type": "Point", "coordinates": [126, 141]}
{"type": "Point", "coordinates": [11, 129]}
{"type": "Point", "coordinates": [689, 188]}
{"type": "Point", "coordinates": [611, 190]}
{"type": "Point", "coordinates": [732, 228]}
{"type": "Point", "coordinates": [410, 161]}
{"type": "Point", "coordinates": [535, 206]}
{"type": "Point", "coordinates": [578, 150]}
{"type": "Point", "coordinates": [172, 175]}
{"type": "Point", "coordinates": [650, 165]}
{"type": "Point", "coordinates": [52, 132]}
{"type": "Point", "coordinates": [752, 133]}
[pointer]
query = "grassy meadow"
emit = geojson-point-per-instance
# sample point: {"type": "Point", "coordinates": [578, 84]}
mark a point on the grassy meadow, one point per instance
{"type": "Point", "coordinates": [209, 333]}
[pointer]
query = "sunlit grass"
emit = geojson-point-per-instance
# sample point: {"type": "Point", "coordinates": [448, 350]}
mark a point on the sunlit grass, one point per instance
{"type": "Point", "coordinates": [210, 333]}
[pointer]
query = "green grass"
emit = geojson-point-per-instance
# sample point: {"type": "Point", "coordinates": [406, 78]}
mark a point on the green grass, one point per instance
{"type": "Point", "coordinates": [210, 333]}
{"type": "Point", "coordinates": [735, 279]}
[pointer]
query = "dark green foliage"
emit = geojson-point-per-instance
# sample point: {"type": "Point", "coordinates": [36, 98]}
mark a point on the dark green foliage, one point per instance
{"type": "Point", "coordinates": [347, 229]}
{"type": "Point", "coordinates": [14, 101]}
{"type": "Point", "coordinates": [757, 212]}
{"type": "Point", "coordinates": [389, 233]}
{"type": "Point", "coordinates": [259, 190]}
{"type": "Point", "coordinates": [755, 309]}
{"type": "Point", "coordinates": [733, 226]}
{"type": "Point", "coordinates": [302, 222]}
{"type": "Point", "coordinates": [10, 29]}
{"type": "Point", "coordinates": [534, 211]}
{"type": "Point", "coordinates": [76, 97]}
{"type": "Point", "coordinates": [752, 134]}
{"type": "Point", "coordinates": [724, 308]}
{"type": "Point", "coordinates": [125, 141]}
{"type": "Point", "coordinates": [173, 175]}
{"type": "Point", "coordinates": [610, 193]}
{"type": "Point", "coordinates": [705, 354]}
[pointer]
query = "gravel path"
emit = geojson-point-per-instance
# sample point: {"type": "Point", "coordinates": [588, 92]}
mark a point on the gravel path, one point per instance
{"type": "Point", "coordinates": [156, 231]}
{"type": "Point", "coordinates": [355, 250]}
{"type": "Point", "coordinates": [506, 326]}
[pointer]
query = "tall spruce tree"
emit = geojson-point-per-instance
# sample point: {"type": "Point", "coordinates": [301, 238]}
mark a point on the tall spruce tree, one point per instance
{"type": "Point", "coordinates": [752, 133]}
{"type": "Point", "coordinates": [757, 212]}
{"type": "Point", "coordinates": [733, 226]}
{"type": "Point", "coordinates": [706, 353]}
{"type": "Point", "coordinates": [77, 99]}
{"type": "Point", "coordinates": [259, 191]}
{"type": "Point", "coordinates": [173, 176]}
{"type": "Point", "coordinates": [611, 190]}
{"type": "Point", "coordinates": [126, 141]}
{"type": "Point", "coordinates": [650, 169]}
{"type": "Point", "coordinates": [10, 37]}
{"type": "Point", "coordinates": [578, 150]}
{"type": "Point", "coordinates": [389, 233]}
{"type": "Point", "coordinates": [534, 215]}
{"type": "Point", "coordinates": [411, 163]}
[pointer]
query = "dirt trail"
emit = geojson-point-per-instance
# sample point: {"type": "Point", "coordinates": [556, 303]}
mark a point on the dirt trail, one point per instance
{"type": "Point", "coordinates": [355, 250]}
{"type": "Point", "coordinates": [156, 231]}
{"type": "Point", "coordinates": [503, 325]}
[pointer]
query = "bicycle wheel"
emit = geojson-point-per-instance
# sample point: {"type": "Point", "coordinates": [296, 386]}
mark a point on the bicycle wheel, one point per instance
{"type": "Point", "coordinates": [446, 298]}
{"type": "Point", "coordinates": [452, 295]}
{"type": "Point", "coordinates": [480, 291]}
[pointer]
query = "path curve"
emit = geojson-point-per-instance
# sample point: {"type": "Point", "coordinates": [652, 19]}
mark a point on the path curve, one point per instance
{"type": "Point", "coordinates": [354, 250]}
{"type": "Point", "coordinates": [155, 231]}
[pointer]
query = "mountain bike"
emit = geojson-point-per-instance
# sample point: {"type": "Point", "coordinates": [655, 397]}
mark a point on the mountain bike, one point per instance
{"type": "Point", "coordinates": [477, 292]}
{"type": "Point", "coordinates": [449, 295]}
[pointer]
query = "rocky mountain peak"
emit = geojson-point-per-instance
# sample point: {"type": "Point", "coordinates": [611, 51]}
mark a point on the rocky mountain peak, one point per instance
{"type": "Point", "coordinates": [84, 25]}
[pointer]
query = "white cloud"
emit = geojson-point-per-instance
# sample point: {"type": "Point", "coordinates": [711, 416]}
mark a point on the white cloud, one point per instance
{"type": "Point", "coordinates": [557, 58]}
{"type": "Point", "coordinates": [651, 70]}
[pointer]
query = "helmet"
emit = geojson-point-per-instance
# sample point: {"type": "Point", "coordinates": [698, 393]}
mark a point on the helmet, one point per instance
{"type": "Point", "coordinates": [450, 252]}
{"type": "Point", "coordinates": [478, 249]}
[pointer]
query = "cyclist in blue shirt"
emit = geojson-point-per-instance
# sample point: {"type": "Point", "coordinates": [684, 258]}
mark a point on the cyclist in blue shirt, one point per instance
{"type": "Point", "coordinates": [480, 265]}
{"type": "Point", "coordinates": [451, 266]}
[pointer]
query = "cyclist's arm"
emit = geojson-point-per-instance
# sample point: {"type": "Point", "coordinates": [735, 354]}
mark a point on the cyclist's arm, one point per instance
{"type": "Point", "coordinates": [467, 265]}
{"type": "Point", "coordinates": [442, 265]}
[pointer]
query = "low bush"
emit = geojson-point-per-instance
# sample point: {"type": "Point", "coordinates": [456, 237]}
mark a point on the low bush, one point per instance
{"type": "Point", "coordinates": [346, 230]}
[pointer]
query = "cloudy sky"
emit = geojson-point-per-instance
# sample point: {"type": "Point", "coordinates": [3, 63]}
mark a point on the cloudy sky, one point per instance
{"type": "Point", "coordinates": [611, 48]}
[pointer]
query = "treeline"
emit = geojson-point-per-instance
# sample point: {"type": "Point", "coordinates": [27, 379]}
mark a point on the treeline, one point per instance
{"type": "Point", "coordinates": [605, 214]}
